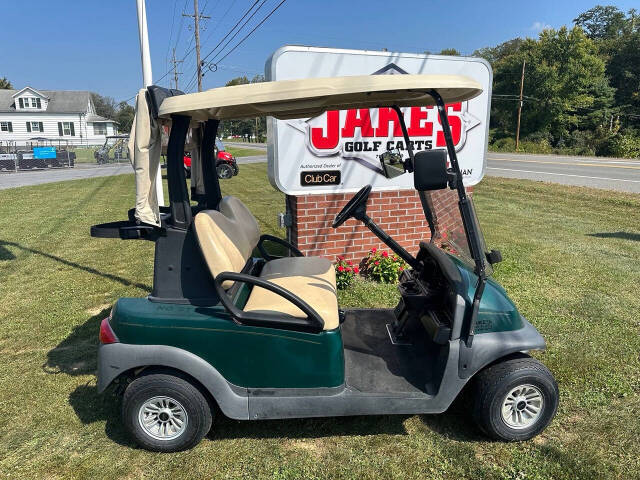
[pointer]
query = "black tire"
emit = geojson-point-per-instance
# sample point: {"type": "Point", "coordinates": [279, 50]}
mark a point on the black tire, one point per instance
{"type": "Point", "coordinates": [236, 169]}
{"type": "Point", "coordinates": [492, 387]}
{"type": "Point", "coordinates": [197, 411]}
{"type": "Point", "coordinates": [224, 170]}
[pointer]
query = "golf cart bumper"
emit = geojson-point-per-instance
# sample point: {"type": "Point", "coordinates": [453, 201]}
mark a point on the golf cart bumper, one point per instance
{"type": "Point", "coordinates": [115, 359]}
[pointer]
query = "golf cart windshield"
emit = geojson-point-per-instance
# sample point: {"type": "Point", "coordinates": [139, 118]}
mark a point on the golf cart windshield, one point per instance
{"type": "Point", "coordinates": [219, 145]}
{"type": "Point", "coordinates": [454, 240]}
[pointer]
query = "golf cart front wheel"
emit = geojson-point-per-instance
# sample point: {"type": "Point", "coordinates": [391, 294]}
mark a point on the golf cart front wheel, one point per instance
{"type": "Point", "coordinates": [515, 400]}
{"type": "Point", "coordinates": [224, 170]}
{"type": "Point", "coordinates": [165, 413]}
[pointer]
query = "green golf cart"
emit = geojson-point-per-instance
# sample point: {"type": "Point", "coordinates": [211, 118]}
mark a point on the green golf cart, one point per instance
{"type": "Point", "coordinates": [231, 329]}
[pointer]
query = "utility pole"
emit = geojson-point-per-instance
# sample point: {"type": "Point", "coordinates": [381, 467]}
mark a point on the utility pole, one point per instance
{"type": "Point", "coordinates": [524, 62]}
{"type": "Point", "coordinates": [175, 68]}
{"type": "Point", "coordinates": [196, 20]}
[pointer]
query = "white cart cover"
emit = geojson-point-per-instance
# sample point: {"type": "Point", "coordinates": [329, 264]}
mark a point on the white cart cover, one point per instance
{"type": "Point", "coordinates": [145, 144]}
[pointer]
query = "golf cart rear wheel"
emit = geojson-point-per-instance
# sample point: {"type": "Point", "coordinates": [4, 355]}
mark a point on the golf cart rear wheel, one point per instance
{"type": "Point", "coordinates": [165, 413]}
{"type": "Point", "coordinates": [224, 170]}
{"type": "Point", "coordinates": [515, 400]}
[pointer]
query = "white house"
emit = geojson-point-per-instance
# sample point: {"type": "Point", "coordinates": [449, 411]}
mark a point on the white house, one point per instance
{"type": "Point", "coordinates": [53, 114]}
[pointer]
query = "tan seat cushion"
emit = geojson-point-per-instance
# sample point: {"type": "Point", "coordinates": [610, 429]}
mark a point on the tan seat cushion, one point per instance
{"type": "Point", "coordinates": [227, 237]}
{"type": "Point", "coordinates": [313, 279]}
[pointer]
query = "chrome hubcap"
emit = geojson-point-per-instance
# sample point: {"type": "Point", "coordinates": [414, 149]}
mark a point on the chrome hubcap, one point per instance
{"type": "Point", "coordinates": [522, 406]}
{"type": "Point", "coordinates": [163, 418]}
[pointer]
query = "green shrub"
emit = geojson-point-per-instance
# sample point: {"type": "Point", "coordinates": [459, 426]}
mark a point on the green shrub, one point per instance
{"type": "Point", "coordinates": [382, 267]}
{"type": "Point", "coordinates": [624, 145]}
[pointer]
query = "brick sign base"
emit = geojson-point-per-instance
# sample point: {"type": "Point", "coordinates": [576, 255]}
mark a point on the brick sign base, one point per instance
{"type": "Point", "coordinates": [397, 212]}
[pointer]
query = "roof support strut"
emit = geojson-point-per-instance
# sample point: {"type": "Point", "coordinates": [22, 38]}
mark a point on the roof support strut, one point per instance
{"type": "Point", "coordinates": [178, 195]}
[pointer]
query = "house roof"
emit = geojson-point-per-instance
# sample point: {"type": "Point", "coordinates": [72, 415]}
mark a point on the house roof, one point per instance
{"type": "Point", "coordinates": [37, 92]}
{"type": "Point", "coordinates": [97, 118]}
{"type": "Point", "coordinates": [60, 101]}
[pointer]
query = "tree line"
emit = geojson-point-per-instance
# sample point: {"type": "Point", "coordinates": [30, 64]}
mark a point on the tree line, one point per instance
{"type": "Point", "coordinates": [581, 90]}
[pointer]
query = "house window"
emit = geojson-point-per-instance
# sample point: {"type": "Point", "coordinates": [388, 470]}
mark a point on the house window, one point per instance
{"type": "Point", "coordinates": [6, 127]}
{"type": "Point", "coordinates": [34, 127]}
{"type": "Point", "coordinates": [99, 128]}
{"type": "Point", "coordinates": [66, 129]}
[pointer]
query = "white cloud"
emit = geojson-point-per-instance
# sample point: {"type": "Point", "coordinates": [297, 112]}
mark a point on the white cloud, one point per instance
{"type": "Point", "coordinates": [539, 26]}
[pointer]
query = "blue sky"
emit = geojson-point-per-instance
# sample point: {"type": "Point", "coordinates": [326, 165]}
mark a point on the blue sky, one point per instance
{"type": "Point", "coordinates": [93, 45]}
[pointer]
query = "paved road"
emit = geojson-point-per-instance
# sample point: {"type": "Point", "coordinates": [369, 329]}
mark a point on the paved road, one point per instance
{"type": "Point", "coordinates": [80, 171]}
{"type": "Point", "coordinates": [36, 177]}
{"type": "Point", "coordinates": [597, 172]}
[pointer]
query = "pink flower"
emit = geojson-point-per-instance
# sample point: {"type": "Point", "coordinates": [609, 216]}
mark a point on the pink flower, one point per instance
{"type": "Point", "coordinates": [400, 269]}
{"type": "Point", "coordinates": [356, 270]}
{"type": "Point", "coordinates": [376, 263]}
{"type": "Point", "coordinates": [340, 268]}
{"type": "Point", "coordinates": [349, 262]}
{"type": "Point", "coordinates": [374, 250]}
{"type": "Point", "coordinates": [340, 258]}
{"type": "Point", "coordinates": [347, 269]}
{"type": "Point", "coordinates": [385, 254]}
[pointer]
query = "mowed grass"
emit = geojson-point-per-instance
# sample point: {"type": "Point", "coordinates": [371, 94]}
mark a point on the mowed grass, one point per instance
{"type": "Point", "coordinates": [244, 151]}
{"type": "Point", "coordinates": [571, 264]}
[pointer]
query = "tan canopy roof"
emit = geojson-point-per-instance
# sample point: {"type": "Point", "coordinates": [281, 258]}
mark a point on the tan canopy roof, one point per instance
{"type": "Point", "coordinates": [287, 99]}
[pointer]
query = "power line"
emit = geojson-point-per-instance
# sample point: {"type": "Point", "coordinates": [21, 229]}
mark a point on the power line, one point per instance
{"type": "Point", "coordinates": [173, 18]}
{"type": "Point", "coordinates": [196, 30]}
{"type": "Point", "coordinates": [189, 49]}
{"type": "Point", "coordinates": [175, 68]}
{"type": "Point", "coordinates": [249, 34]}
{"type": "Point", "coordinates": [224, 15]}
{"type": "Point", "coordinates": [234, 27]}
{"type": "Point", "coordinates": [231, 31]}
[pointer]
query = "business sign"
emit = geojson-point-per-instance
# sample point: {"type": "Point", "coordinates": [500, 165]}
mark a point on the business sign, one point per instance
{"type": "Point", "coordinates": [339, 151]}
{"type": "Point", "coordinates": [44, 152]}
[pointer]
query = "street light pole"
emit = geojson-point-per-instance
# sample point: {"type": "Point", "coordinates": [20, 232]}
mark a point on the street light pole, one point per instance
{"type": "Point", "coordinates": [147, 77]}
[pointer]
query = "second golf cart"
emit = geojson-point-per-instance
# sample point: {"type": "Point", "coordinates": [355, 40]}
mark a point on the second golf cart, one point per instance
{"type": "Point", "coordinates": [262, 337]}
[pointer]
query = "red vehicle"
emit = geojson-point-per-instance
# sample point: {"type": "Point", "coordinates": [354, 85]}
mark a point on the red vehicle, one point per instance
{"type": "Point", "coordinates": [226, 165]}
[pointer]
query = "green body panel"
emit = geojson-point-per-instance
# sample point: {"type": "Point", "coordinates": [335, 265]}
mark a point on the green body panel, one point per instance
{"type": "Point", "coordinates": [246, 356]}
{"type": "Point", "coordinates": [497, 312]}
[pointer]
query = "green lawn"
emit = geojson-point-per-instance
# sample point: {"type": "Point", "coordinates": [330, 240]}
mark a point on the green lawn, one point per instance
{"type": "Point", "coordinates": [85, 155]}
{"type": "Point", "coordinates": [244, 151]}
{"type": "Point", "coordinates": [571, 264]}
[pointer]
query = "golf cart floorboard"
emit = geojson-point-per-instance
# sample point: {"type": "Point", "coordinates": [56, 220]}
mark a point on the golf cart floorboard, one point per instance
{"type": "Point", "coordinates": [373, 364]}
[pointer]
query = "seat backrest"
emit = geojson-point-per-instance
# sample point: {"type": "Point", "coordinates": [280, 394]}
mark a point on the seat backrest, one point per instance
{"type": "Point", "coordinates": [227, 237]}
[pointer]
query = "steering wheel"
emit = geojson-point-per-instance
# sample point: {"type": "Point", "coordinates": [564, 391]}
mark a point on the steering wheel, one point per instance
{"type": "Point", "coordinates": [350, 209]}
